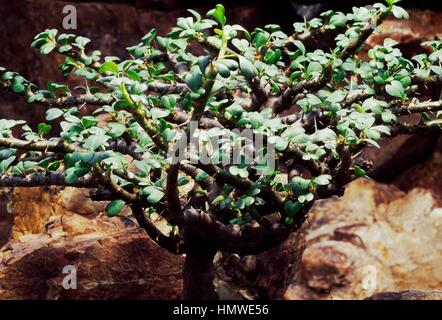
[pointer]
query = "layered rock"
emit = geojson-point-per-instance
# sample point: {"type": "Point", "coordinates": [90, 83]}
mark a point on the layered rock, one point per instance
{"type": "Point", "coordinates": [42, 210]}
{"type": "Point", "coordinates": [112, 265]}
{"type": "Point", "coordinates": [375, 239]}
{"type": "Point", "coordinates": [114, 259]}
{"type": "Point", "coordinates": [408, 295]}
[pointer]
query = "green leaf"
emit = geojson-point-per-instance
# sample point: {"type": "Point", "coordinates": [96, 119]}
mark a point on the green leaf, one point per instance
{"type": "Point", "coordinates": [38, 43]}
{"type": "Point", "coordinates": [218, 199]}
{"type": "Point", "coordinates": [18, 88]}
{"type": "Point", "coordinates": [222, 69]}
{"type": "Point", "coordinates": [260, 39]}
{"type": "Point", "coordinates": [91, 158]}
{"type": "Point", "coordinates": [291, 208]}
{"type": "Point", "coordinates": [109, 66]}
{"type": "Point", "coordinates": [169, 102]}
{"type": "Point", "coordinates": [82, 41]}
{"type": "Point", "coordinates": [155, 195]}
{"type": "Point", "coordinates": [279, 142]}
{"type": "Point", "coordinates": [359, 172]}
{"type": "Point", "coordinates": [373, 143]}
{"type": "Point", "coordinates": [389, 43]}
{"type": "Point", "coordinates": [219, 14]}
{"type": "Point", "coordinates": [437, 70]}
{"type": "Point", "coordinates": [53, 114]}
{"type": "Point", "coordinates": [248, 70]}
{"type": "Point", "coordinates": [306, 197]}
{"type": "Point", "coordinates": [336, 96]}
{"type": "Point", "coordinates": [4, 165]}
{"type": "Point", "coordinates": [300, 184]}
{"type": "Point", "coordinates": [338, 20]}
{"type": "Point", "coordinates": [364, 121]}
{"type": "Point", "coordinates": [289, 221]}
{"type": "Point", "coordinates": [70, 177]}
{"type": "Point", "coordinates": [203, 62]}
{"type": "Point", "coordinates": [54, 165]}
{"type": "Point", "coordinates": [300, 46]}
{"type": "Point", "coordinates": [64, 48]}
{"type": "Point", "coordinates": [240, 44]}
{"type": "Point", "coordinates": [6, 153]}
{"type": "Point", "coordinates": [248, 201]}
{"type": "Point", "coordinates": [322, 180]}
{"type": "Point", "coordinates": [114, 207]}
{"type": "Point", "coordinates": [388, 117]}
{"type": "Point", "coordinates": [43, 129]}
{"type": "Point", "coordinates": [88, 122]}
{"type": "Point", "coordinates": [400, 13]}
{"type": "Point", "coordinates": [47, 48]}
{"type": "Point", "coordinates": [194, 81]}
{"type": "Point", "coordinates": [271, 57]}
{"type": "Point", "coordinates": [395, 89]}
{"type": "Point", "coordinates": [237, 171]}
{"type": "Point", "coordinates": [201, 176]}
{"type": "Point", "coordinates": [313, 68]}
{"type": "Point", "coordinates": [116, 129]}
{"type": "Point", "coordinates": [94, 142]}
{"type": "Point", "coordinates": [158, 113]}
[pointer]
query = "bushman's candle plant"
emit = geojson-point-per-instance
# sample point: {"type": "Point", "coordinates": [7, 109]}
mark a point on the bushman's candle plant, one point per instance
{"type": "Point", "coordinates": [315, 109]}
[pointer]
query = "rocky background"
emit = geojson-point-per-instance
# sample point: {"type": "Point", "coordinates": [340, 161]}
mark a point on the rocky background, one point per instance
{"type": "Point", "coordinates": [382, 239]}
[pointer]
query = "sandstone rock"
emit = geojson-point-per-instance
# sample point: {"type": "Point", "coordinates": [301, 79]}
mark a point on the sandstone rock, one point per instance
{"type": "Point", "coordinates": [36, 210]}
{"type": "Point", "coordinates": [111, 265]}
{"type": "Point", "coordinates": [375, 239]}
{"type": "Point", "coordinates": [408, 295]}
{"type": "Point", "coordinates": [60, 226]}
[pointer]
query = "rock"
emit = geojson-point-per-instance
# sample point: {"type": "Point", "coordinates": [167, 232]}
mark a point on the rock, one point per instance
{"type": "Point", "coordinates": [109, 265]}
{"type": "Point", "coordinates": [36, 210]}
{"type": "Point", "coordinates": [408, 295]}
{"type": "Point", "coordinates": [400, 153]}
{"type": "Point", "coordinates": [427, 175]}
{"type": "Point", "coordinates": [6, 218]}
{"type": "Point", "coordinates": [423, 25]}
{"type": "Point", "coordinates": [57, 227]}
{"type": "Point", "coordinates": [376, 238]}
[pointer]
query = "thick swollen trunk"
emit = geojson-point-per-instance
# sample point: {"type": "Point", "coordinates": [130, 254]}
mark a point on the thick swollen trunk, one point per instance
{"type": "Point", "coordinates": [198, 276]}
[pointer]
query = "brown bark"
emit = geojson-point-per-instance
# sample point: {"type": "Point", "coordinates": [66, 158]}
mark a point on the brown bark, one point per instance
{"type": "Point", "coordinates": [198, 276]}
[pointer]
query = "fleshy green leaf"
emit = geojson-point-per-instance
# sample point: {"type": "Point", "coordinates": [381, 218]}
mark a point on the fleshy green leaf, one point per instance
{"type": "Point", "coordinates": [400, 13]}
{"type": "Point", "coordinates": [114, 207]}
{"type": "Point", "coordinates": [248, 70]}
{"type": "Point", "coordinates": [109, 66]}
{"type": "Point", "coordinates": [53, 114]}
{"type": "Point", "coordinates": [219, 14]}
{"type": "Point", "coordinates": [395, 89]}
